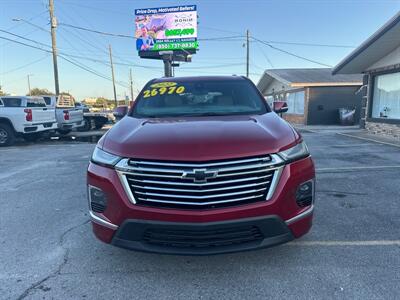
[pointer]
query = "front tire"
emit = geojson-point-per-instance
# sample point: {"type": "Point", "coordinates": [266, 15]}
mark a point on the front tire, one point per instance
{"type": "Point", "coordinates": [87, 125]}
{"type": "Point", "coordinates": [7, 135]}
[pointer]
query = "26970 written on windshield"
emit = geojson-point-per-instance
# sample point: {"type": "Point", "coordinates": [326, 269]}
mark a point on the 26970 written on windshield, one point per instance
{"type": "Point", "coordinates": [163, 88]}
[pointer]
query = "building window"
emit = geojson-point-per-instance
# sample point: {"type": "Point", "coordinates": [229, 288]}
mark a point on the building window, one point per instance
{"type": "Point", "coordinates": [386, 97]}
{"type": "Point", "coordinates": [295, 102]}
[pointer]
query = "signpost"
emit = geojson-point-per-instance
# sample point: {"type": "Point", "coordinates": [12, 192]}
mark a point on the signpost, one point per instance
{"type": "Point", "coordinates": [167, 33]}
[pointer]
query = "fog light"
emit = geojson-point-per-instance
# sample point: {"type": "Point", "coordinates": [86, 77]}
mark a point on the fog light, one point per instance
{"type": "Point", "coordinates": [97, 199]}
{"type": "Point", "coordinates": [305, 194]}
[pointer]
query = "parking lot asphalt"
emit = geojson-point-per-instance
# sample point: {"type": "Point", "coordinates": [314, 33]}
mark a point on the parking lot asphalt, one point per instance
{"type": "Point", "coordinates": [47, 249]}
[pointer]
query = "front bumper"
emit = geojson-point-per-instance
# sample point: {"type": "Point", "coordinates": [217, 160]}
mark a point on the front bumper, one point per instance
{"type": "Point", "coordinates": [204, 238]}
{"type": "Point", "coordinates": [70, 125]}
{"type": "Point", "coordinates": [144, 228]}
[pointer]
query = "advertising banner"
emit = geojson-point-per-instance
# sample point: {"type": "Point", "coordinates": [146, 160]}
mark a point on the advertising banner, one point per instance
{"type": "Point", "coordinates": [166, 28]}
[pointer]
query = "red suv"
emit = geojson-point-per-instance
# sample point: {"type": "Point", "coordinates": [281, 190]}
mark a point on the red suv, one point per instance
{"type": "Point", "coordinates": [200, 165]}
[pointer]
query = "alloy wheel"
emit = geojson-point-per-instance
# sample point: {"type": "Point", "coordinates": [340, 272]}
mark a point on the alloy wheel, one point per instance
{"type": "Point", "coordinates": [3, 136]}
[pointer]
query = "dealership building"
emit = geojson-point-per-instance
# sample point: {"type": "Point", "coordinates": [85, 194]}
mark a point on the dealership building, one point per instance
{"type": "Point", "coordinates": [314, 96]}
{"type": "Point", "coordinates": [378, 58]}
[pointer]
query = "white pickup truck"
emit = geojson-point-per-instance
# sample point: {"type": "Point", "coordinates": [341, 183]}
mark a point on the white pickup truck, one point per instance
{"type": "Point", "coordinates": [24, 116]}
{"type": "Point", "coordinates": [68, 116]}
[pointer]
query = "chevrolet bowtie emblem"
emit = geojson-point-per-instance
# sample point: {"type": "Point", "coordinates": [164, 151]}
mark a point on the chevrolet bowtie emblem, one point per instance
{"type": "Point", "coordinates": [200, 175]}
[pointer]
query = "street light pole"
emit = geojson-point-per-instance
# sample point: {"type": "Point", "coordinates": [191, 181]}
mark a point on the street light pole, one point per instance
{"type": "Point", "coordinates": [53, 24]}
{"type": "Point", "coordinates": [29, 84]}
{"type": "Point", "coordinates": [247, 52]}
{"type": "Point", "coordinates": [113, 76]}
{"type": "Point", "coordinates": [131, 83]}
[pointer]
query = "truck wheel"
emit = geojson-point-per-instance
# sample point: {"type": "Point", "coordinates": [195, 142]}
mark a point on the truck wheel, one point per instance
{"type": "Point", "coordinates": [87, 126]}
{"type": "Point", "coordinates": [7, 136]}
{"type": "Point", "coordinates": [32, 137]}
{"type": "Point", "coordinates": [64, 131]}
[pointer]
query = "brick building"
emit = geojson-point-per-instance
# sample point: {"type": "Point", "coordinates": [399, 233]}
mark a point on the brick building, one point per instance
{"type": "Point", "coordinates": [313, 95]}
{"type": "Point", "coordinates": [378, 58]}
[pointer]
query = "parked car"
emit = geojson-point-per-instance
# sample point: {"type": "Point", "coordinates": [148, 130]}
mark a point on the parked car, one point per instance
{"type": "Point", "coordinates": [120, 112]}
{"type": "Point", "coordinates": [200, 165]}
{"type": "Point", "coordinates": [67, 115]}
{"type": "Point", "coordinates": [23, 116]}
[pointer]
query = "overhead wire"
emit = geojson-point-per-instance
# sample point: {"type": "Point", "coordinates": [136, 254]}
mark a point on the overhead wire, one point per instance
{"type": "Point", "coordinates": [265, 55]}
{"type": "Point", "coordinates": [290, 53]}
{"type": "Point", "coordinates": [25, 65]}
{"type": "Point", "coordinates": [310, 44]}
{"type": "Point", "coordinates": [77, 64]}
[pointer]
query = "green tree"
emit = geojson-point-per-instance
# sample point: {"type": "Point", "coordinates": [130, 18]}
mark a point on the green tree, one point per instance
{"type": "Point", "coordinates": [38, 92]}
{"type": "Point", "coordinates": [101, 101]}
{"type": "Point", "coordinates": [1, 92]}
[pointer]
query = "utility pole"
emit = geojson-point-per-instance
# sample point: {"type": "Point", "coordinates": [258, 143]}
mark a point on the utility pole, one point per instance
{"type": "Point", "coordinates": [131, 83]}
{"type": "Point", "coordinates": [53, 24]}
{"type": "Point", "coordinates": [113, 76]}
{"type": "Point", "coordinates": [29, 85]}
{"type": "Point", "coordinates": [248, 52]}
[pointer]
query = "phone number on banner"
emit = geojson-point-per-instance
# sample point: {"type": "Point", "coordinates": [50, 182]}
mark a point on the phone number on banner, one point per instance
{"type": "Point", "coordinates": [175, 46]}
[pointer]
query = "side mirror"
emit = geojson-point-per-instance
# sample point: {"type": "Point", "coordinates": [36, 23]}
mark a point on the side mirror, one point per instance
{"type": "Point", "coordinates": [280, 107]}
{"type": "Point", "coordinates": [120, 112]}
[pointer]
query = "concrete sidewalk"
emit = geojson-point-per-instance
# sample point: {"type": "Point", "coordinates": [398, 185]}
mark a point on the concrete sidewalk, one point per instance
{"type": "Point", "coordinates": [350, 131]}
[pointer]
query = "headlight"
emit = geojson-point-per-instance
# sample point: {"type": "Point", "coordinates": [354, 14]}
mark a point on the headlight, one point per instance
{"type": "Point", "coordinates": [298, 151]}
{"type": "Point", "coordinates": [104, 158]}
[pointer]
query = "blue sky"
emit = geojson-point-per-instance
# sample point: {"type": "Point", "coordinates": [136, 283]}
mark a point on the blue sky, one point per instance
{"type": "Point", "coordinates": [346, 23]}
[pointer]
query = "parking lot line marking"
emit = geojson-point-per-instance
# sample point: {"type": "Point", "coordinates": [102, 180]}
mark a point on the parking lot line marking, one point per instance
{"type": "Point", "coordinates": [370, 140]}
{"type": "Point", "coordinates": [346, 243]}
{"type": "Point", "coordinates": [358, 168]}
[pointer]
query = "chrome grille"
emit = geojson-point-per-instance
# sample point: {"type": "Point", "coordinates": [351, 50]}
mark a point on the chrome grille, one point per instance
{"type": "Point", "coordinates": [199, 185]}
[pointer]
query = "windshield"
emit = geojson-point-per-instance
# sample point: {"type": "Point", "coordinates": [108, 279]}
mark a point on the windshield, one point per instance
{"type": "Point", "coordinates": [199, 98]}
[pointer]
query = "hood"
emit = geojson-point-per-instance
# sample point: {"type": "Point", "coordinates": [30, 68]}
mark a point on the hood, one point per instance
{"type": "Point", "coordinates": [199, 138]}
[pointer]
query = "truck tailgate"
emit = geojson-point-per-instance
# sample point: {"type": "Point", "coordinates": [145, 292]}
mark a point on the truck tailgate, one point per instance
{"type": "Point", "coordinates": [43, 115]}
{"type": "Point", "coordinates": [75, 115]}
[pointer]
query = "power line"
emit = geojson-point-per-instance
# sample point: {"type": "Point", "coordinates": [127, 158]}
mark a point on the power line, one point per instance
{"type": "Point", "coordinates": [75, 56]}
{"type": "Point", "coordinates": [97, 31]}
{"type": "Point", "coordinates": [24, 38]}
{"type": "Point", "coordinates": [99, 9]}
{"type": "Point", "coordinates": [79, 65]}
{"type": "Point", "coordinates": [216, 66]}
{"type": "Point", "coordinates": [309, 44]}
{"type": "Point", "coordinates": [222, 38]}
{"type": "Point", "coordinates": [265, 55]}
{"type": "Point", "coordinates": [86, 38]}
{"type": "Point", "coordinates": [25, 65]}
{"type": "Point", "coordinates": [30, 19]}
{"type": "Point", "coordinates": [291, 54]}
{"type": "Point", "coordinates": [219, 30]}
{"type": "Point", "coordinates": [27, 45]}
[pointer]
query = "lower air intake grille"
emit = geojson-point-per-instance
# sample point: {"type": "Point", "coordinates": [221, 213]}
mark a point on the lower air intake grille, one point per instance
{"type": "Point", "coordinates": [203, 238]}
